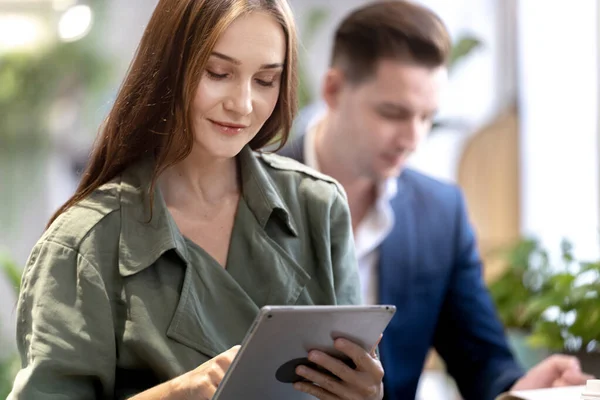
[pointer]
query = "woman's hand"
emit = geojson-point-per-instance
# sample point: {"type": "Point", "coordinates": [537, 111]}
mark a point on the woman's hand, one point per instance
{"type": "Point", "coordinates": [202, 382]}
{"type": "Point", "coordinates": [198, 384]}
{"type": "Point", "coordinates": [364, 383]}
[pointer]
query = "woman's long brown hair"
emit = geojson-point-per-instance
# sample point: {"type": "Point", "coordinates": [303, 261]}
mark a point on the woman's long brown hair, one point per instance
{"type": "Point", "coordinates": [152, 112]}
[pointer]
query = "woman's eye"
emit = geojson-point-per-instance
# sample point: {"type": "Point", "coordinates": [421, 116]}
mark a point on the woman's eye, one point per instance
{"type": "Point", "coordinates": [214, 75]}
{"type": "Point", "coordinates": [265, 83]}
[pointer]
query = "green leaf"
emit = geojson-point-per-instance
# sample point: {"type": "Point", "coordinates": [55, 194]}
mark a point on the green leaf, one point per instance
{"type": "Point", "coordinates": [587, 322]}
{"type": "Point", "coordinates": [463, 47]}
{"type": "Point", "coordinates": [524, 278]}
{"type": "Point", "coordinates": [584, 292]}
{"type": "Point", "coordinates": [11, 271]}
{"type": "Point", "coordinates": [566, 248]}
{"type": "Point", "coordinates": [590, 266]}
{"type": "Point", "coordinates": [570, 286]}
{"type": "Point", "coordinates": [562, 283]}
{"type": "Point", "coordinates": [547, 334]}
{"type": "Point", "coordinates": [540, 340]}
{"type": "Point", "coordinates": [536, 307]}
{"type": "Point", "coordinates": [8, 371]}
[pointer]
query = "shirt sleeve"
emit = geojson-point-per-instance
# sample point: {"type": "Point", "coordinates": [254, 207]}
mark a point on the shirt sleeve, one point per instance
{"type": "Point", "coordinates": [65, 332]}
{"type": "Point", "coordinates": [343, 255]}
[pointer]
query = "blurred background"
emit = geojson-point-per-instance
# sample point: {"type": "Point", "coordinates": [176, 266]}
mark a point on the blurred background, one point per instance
{"type": "Point", "coordinates": [517, 130]}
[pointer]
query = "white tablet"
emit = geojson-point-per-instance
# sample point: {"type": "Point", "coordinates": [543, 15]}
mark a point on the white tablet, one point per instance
{"type": "Point", "coordinates": [281, 337]}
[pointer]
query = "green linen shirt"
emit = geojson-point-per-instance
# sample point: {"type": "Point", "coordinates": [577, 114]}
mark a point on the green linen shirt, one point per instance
{"type": "Point", "coordinates": [114, 302]}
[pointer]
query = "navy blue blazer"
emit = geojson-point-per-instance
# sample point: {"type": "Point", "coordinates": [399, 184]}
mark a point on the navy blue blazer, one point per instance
{"type": "Point", "coordinates": [430, 269]}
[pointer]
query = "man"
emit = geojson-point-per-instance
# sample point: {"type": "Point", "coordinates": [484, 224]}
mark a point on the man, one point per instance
{"type": "Point", "coordinates": [415, 245]}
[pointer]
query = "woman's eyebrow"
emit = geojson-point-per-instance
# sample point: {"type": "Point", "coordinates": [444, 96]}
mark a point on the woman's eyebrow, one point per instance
{"type": "Point", "coordinates": [238, 62]}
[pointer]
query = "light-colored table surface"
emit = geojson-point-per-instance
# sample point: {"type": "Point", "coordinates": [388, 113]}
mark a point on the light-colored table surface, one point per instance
{"type": "Point", "coordinates": [564, 393]}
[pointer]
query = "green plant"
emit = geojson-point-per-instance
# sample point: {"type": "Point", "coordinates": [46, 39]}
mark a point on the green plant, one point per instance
{"type": "Point", "coordinates": [31, 82]}
{"type": "Point", "coordinates": [9, 364]}
{"type": "Point", "coordinates": [569, 306]}
{"type": "Point", "coordinates": [525, 271]}
{"type": "Point", "coordinates": [555, 298]}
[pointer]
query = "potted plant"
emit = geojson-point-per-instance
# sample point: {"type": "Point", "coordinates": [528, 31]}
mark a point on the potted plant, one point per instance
{"type": "Point", "coordinates": [569, 306]}
{"type": "Point", "coordinates": [526, 268]}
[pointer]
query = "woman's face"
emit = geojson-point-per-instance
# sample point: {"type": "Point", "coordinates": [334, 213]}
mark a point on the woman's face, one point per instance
{"type": "Point", "coordinates": [240, 86]}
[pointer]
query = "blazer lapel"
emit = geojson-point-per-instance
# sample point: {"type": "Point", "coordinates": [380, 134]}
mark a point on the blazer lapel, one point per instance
{"type": "Point", "coordinates": [397, 261]}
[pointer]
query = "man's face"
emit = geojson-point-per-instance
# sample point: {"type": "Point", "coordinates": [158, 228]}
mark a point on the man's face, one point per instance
{"type": "Point", "coordinates": [384, 118]}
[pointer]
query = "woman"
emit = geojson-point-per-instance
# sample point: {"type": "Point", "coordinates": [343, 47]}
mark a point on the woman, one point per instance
{"type": "Point", "coordinates": [151, 274]}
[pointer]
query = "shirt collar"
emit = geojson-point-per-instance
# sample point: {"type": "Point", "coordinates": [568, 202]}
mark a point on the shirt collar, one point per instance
{"type": "Point", "coordinates": [260, 191]}
{"type": "Point", "coordinates": [146, 235]}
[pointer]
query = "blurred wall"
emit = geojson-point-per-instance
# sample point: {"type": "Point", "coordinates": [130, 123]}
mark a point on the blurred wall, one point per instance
{"type": "Point", "coordinates": [558, 64]}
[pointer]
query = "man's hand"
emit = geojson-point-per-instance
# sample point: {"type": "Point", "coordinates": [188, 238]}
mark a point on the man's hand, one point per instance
{"type": "Point", "coordinates": [554, 371]}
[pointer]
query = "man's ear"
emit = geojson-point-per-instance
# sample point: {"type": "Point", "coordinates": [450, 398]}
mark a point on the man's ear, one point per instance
{"type": "Point", "coordinates": [333, 83]}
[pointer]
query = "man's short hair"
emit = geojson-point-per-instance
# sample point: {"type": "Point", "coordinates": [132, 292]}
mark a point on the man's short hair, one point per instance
{"type": "Point", "coordinates": [391, 29]}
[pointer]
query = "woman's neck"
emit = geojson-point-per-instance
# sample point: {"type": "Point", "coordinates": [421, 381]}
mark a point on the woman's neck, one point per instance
{"type": "Point", "coordinates": [199, 178]}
